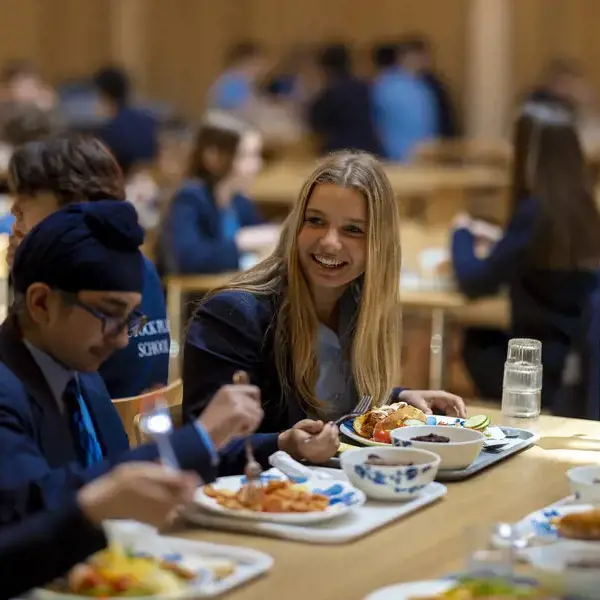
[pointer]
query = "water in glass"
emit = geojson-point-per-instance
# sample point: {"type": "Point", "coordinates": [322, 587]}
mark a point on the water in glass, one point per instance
{"type": "Point", "coordinates": [522, 390]}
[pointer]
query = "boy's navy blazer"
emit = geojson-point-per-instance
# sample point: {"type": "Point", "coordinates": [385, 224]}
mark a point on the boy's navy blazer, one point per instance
{"type": "Point", "coordinates": [45, 546]}
{"type": "Point", "coordinates": [36, 448]}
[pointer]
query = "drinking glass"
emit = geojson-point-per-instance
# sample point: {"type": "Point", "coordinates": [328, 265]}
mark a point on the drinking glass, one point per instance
{"type": "Point", "coordinates": [522, 390]}
{"type": "Point", "coordinates": [490, 550]}
{"type": "Point", "coordinates": [523, 350]}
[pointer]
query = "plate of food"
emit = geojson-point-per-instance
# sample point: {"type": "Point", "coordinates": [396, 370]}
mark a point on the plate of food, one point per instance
{"type": "Point", "coordinates": [375, 426]}
{"type": "Point", "coordinates": [118, 572]}
{"type": "Point", "coordinates": [183, 569]}
{"type": "Point", "coordinates": [574, 523]}
{"type": "Point", "coordinates": [461, 589]}
{"type": "Point", "coordinates": [280, 500]}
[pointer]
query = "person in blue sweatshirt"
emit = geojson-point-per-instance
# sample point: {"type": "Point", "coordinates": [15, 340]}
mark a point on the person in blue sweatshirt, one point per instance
{"type": "Point", "coordinates": [547, 257]}
{"type": "Point", "coordinates": [236, 88]}
{"type": "Point", "coordinates": [211, 225]}
{"type": "Point", "coordinates": [49, 174]}
{"type": "Point", "coordinates": [404, 109]}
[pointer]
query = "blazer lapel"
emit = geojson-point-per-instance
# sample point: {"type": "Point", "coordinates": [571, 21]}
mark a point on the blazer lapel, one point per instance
{"type": "Point", "coordinates": [49, 424]}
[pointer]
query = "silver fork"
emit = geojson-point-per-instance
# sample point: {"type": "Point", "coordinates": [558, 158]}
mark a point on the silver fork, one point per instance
{"type": "Point", "coordinates": [360, 409]}
{"type": "Point", "coordinates": [252, 470]}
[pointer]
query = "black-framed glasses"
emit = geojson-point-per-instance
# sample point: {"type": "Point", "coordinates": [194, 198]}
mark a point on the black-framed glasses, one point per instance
{"type": "Point", "coordinates": [112, 325]}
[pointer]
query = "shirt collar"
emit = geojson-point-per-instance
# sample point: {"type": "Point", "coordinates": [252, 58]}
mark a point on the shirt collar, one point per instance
{"type": "Point", "coordinates": [347, 321]}
{"type": "Point", "coordinates": [56, 375]}
{"type": "Point", "coordinates": [327, 337]}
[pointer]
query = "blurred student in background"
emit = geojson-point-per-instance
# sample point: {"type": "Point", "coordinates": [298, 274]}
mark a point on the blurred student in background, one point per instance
{"type": "Point", "coordinates": [445, 113]}
{"type": "Point", "coordinates": [285, 81]}
{"type": "Point", "coordinates": [547, 257]}
{"type": "Point", "coordinates": [562, 84]}
{"type": "Point", "coordinates": [236, 88]}
{"type": "Point", "coordinates": [22, 84]}
{"type": "Point", "coordinates": [340, 113]}
{"type": "Point", "coordinates": [211, 225]}
{"type": "Point", "coordinates": [27, 123]}
{"type": "Point", "coordinates": [403, 105]}
{"type": "Point", "coordinates": [23, 123]}
{"type": "Point", "coordinates": [130, 133]}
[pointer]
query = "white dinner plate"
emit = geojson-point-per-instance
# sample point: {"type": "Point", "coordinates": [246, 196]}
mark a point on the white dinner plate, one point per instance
{"type": "Point", "coordinates": [347, 429]}
{"type": "Point", "coordinates": [192, 554]}
{"type": "Point", "coordinates": [407, 591]}
{"type": "Point", "coordinates": [422, 589]}
{"type": "Point", "coordinates": [539, 524]}
{"type": "Point", "coordinates": [343, 498]}
{"type": "Point", "coordinates": [491, 433]}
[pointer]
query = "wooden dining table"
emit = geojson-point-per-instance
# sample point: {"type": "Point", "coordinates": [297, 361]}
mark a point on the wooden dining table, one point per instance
{"type": "Point", "coordinates": [433, 194]}
{"type": "Point", "coordinates": [281, 183]}
{"type": "Point", "coordinates": [429, 543]}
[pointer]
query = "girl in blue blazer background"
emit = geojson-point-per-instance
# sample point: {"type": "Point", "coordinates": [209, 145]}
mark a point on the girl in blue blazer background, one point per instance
{"type": "Point", "coordinates": [317, 325]}
{"type": "Point", "coordinates": [547, 257]}
{"type": "Point", "coordinates": [211, 225]}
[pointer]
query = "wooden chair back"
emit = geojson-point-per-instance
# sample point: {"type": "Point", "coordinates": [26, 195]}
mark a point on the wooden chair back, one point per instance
{"type": "Point", "coordinates": [129, 408]}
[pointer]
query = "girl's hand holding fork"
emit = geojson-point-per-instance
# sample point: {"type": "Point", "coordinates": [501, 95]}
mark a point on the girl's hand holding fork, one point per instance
{"type": "Point", "coordinates": [323, 445]}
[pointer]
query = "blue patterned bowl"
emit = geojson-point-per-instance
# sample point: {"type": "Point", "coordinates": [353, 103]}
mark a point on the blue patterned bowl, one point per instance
{"type": "Point", "coordinates": [413, 470]}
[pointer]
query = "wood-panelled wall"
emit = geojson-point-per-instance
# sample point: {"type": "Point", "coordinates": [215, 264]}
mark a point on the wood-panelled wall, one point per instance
{"type": "Point", "coordinates": [175, 47]}
{"type": "Point", "coordinates": [63, 37]}
{"type": "Point", "coordinates": [188, 37]}
{"type": "Point", "coordinates": [184, 40]}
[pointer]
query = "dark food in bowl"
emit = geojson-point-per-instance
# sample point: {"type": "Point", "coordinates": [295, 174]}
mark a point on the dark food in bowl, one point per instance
{"type": "Point", "coordinates": [432, 437]}
{"type": "Point", "coordinates": [377, 461]}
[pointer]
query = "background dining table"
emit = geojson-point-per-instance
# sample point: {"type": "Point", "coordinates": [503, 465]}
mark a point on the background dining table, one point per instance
{"type": "Point", "coordinates": [432, 542]}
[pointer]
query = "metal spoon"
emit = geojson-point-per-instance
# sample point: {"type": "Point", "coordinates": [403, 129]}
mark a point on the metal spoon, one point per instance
{"type": "Point", "coordinates": [158, 425]}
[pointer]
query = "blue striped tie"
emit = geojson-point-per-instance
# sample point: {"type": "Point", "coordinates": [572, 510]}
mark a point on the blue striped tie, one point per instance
{"type": "Point", "coordinates": [86, 442]}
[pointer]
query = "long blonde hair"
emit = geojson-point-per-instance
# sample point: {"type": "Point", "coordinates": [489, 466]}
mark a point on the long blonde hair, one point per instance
{"type": "Point", "coordinates": [376, 342]}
